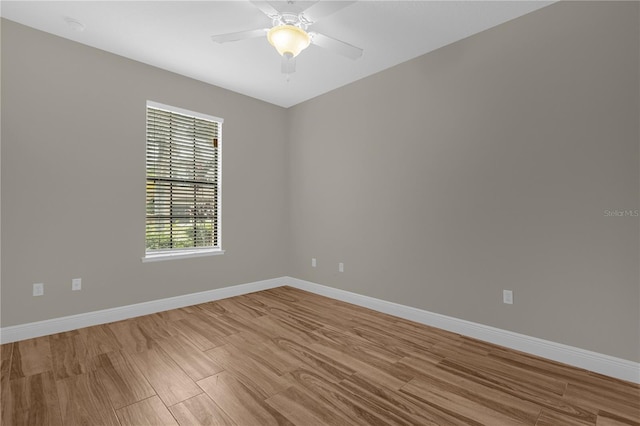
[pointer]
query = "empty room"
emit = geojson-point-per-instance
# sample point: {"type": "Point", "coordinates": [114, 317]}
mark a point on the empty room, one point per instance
{"type": "Point", "coordinates": [320, 213]}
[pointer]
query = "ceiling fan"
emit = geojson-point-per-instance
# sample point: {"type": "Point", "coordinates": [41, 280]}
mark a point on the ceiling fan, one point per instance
{"type": "Point", "coordinates": [289, 33]}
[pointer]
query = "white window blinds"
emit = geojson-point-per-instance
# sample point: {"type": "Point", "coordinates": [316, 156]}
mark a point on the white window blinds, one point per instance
{"type": "Point", "coordinates": [183, 180]}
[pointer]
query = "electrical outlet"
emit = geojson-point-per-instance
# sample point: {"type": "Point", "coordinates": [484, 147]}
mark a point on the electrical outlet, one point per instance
{"type": "Point", "coordinates": [76, 284]}
{"type": "Point", "coordinates": [507, 297]}
{"type": "Point", "coordinates": [313, 262]}
{"type": "Point", "coordinates": [340, 267]}
{"type": "Point", "coordinates": [38, 289]}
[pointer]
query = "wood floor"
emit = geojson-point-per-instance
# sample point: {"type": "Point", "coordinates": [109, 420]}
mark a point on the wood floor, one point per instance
{"type": "Point", "coordinates": [284, 356]}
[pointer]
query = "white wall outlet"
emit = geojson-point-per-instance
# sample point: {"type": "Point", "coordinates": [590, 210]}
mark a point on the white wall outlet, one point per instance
{"type": "Point", "coordinates": [76, 284]}
{"type": "Point", "coordinates": [38, 289]}
{"type": "Point", "coordinates": [507, 297]}
{"type": "Point", "coordinates": [340, 267]}
{"type": "Point", "coordinates": [313, 262]}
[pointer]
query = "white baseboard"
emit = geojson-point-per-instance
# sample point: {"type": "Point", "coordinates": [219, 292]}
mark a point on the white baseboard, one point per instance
{"type": "Point", "coordinates": [72, 322]}
{"type": "Point", "coordinates": [581, 358]}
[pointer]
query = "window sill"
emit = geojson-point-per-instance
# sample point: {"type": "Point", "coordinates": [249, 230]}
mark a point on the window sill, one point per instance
{"type": "Point", "coordinates": [183, 254]}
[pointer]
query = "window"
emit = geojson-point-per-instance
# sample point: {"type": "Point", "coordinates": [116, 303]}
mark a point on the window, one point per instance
{"type": "Point", "coordinates": [183, 183]}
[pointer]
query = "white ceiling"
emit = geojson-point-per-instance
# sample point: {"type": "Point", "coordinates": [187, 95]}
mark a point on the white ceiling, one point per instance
{"type": "Point", "coordinates": [176, 36]}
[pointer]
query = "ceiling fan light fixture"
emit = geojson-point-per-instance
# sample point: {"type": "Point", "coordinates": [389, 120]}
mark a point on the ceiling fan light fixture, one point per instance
{"type": "Point", "coordinates": [288, 39]}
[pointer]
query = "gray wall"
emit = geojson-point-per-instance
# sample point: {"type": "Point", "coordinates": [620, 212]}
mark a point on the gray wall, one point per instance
{"type": "Point", "coordinates": [73, 180]}
{"type": "Point", "coordinates": [483, 166]}
{"type": "Point", "coordinates": [486, 165]}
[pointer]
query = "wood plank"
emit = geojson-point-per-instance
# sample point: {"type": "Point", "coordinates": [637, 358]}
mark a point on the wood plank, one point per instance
{"type": "Point", "coordinates": [6, 400]}
{"type": "Point", "coordinates": [624, 405]}
{"type": "Point", "coordinates": [69, 356]}
{"type": "Point", "coordinates": [457, 350]}
{"type": "Point", "coordinates": [507, 375]}
{"type": "Point", "coordinates": [170, 382]}
{"type": "Point", "coordinates": [464, 409]}
{"type": "Point", "coordinates": [330, 368]}
{"type": "Point", "coordinates": [32, 400]}
{"type": "Point", "coordinates": [573, 375]}
{"type": "Point", "coordinates": [395, 402]}
{"type": "Point", "coordinates": [252, 374]}
{"type": "Point", "coordinates": [6, 351]}
{"type": "Point", "coordinates": [242, 405]}
{"type": "Point", "coordinates": [31, 356]}
{"type": "Point", "coordinates": [435, 335]}
{"type": "Point", "coordinates": [303, 307]}
{"type": "Point", "coordinates": [84, 401]}
{"type": "Point", "coordinates": [99, 339]}
{"type": "Point", "coordinates": [249, 302]}
{"type": "Point", "coordinates": [341, 338]}
{"type": "Point", "coordinates": [198, 332]}
{"type": "Point", "coordinates": [384, 374]}
{"type": "Point", "coordinates": [64, 334]}
{"type": "Point", "coordinates": [200, 410]}
{"type": "Point", "coordinates": [297, 319]}
{"type": "Point", "coordinates": [302, 408]}
{"type": "Point", "coordinates": [211, 308]}
{"type": "Point", "coordinates": [130, 335]}
{"type": "Point", "coordinates": [273, 328]}
{"type": "Point", "coordinates": [288, 295]}
{"type": "Point", "coordinates": [149, 412]}
{"type": "Point", "coordinates": [156, 327]}
{"type": "Point", "coordinates": [610, 419]}
{"type": "Point", "coordinates": [177, 314]}
{"type": "Point", "coordinates": [226, 324]}
{"type": "Point", "coordinates": [334, 398]}
{"type": "Point", "coordinates": [242, 307]}
{"type": "Point", "coordinates": [123, 382]}
{"type": "Point", "coordinates": [527, 386]}
{"type": "Point", "coordinates": [473, 400]}
{"type": "Point", "coordinates": [265, 352]}
{"type": "Point", "coordinates": [397, 343]}
{"type": "Point", "coordinates": [551, 418]}
{"type": "Point", "coordinates": [193, 361]}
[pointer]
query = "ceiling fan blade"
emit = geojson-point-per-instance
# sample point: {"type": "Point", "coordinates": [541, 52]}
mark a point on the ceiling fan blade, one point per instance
{"type": "Point", "coordinates": [288, 64]}
{"type": "Point", "coordinates": [242, 35]}
{"type": "Point", "coordinates": [337, 46]}
{"type": "Point", "coordinates": [265, 7]}
{"type": "Point", "coordinates": [320, 9]}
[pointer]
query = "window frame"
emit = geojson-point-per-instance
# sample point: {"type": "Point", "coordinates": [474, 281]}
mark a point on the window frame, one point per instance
{"type": "Point", "coordinates": [187, 252]}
